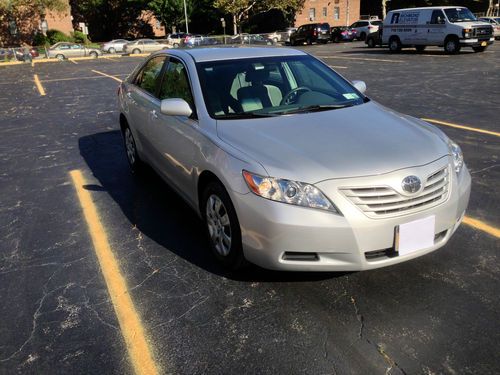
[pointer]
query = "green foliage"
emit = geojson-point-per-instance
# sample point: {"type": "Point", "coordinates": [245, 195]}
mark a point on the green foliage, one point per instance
{"type": "Point", "coordinates": [34, 5]}
{"type": "Point", "coordinates": [171, 12]}
{"type": "Point", "coordinates": [56, 36]}
{"type": "Point", "coordinates": [40, 40]}
{"type": "Point", "coordinates": [79, 37]}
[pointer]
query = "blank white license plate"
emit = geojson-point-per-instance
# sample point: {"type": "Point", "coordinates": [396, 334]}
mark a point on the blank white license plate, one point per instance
{"type": "Point", "coordinates": [415, 235]}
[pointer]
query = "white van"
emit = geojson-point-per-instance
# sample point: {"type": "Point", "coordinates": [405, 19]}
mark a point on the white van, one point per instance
{"type": "Point", "coordinates": [448, 27]}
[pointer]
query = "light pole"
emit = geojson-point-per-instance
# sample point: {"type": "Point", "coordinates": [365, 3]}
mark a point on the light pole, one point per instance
{"type": "Point", "coordinates": [186, 16]}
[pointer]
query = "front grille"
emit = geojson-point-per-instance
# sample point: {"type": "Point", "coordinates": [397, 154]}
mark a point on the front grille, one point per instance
{"type": "Point", "coordinates": [381, 201]}
{"type": "Point", "coordinates": [483, 31]}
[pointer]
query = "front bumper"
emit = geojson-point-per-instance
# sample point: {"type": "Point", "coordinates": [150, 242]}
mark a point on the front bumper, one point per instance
{"type": "Point", "coordinates": [340, 242]}
{"type": "Point", "coordinates": [477, 42]}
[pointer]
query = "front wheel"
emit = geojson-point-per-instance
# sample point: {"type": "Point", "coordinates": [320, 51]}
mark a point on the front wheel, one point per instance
{"type": "Point", "coordinates": [309, 41]}
{"type": "Point", "coordinates": [93, 55]}
{"type": "Point", "coordinates": [223, 227]}
{"type": "Point", "coordinates": [479, 49]}
{"type": "Point", "coordinates": [60, 57]}
{"type": "Point", "coordinates": [135, 51]}
{"type": "Point", "coordinates": [362, 36]}
{"type": "Point", "coordinates": [370, 43]}
{"type": "Point", "coordinates": [111, 50]}
{"type": "Point", "coordinates": [452, 46]}
{"type": "Point", "coordinates": [394, 44]}
{"type": "Point", "coordinates": [134, 161]}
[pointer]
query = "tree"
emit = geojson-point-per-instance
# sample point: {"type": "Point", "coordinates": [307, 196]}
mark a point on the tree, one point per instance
{"type": "Point", "coordinates": [170, 12]}
{"type": "Point", "coordinates": [240, 9]}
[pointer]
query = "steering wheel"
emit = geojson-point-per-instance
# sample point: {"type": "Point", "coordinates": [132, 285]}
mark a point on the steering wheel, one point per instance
{"type": "Point", "coordinates": [292, 96]}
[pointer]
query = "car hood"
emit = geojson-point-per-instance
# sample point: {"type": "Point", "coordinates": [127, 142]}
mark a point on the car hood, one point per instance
{"type": "Point", "coordinates": [362, 140]}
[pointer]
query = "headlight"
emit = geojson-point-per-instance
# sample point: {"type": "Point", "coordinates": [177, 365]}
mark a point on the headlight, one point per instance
{"type": "Point", "coordinates": [287, 191]}
{"type": "Point", "coordinates": [458, 157]}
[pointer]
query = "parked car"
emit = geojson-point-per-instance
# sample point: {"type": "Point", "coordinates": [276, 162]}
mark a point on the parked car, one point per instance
{"type": "Point", "coordinates": [143, 46]}
{"type": "Point", "coordinates": [197, 40]}
{"type": "Point", "coordinates": [115, 45]}
{"type": "Point", "coordinates": [374, 39]}
{"type": "Point", "coordinates": [342, 34]}
{"type": "Point", "coordinates": [364, 27]}
{"type": "Point", "coordinates": [290, 165]}
{"type": "Point", "coordinates": [64, 50]}
{"type": "Point", "coordinates": [249, 39]}
{"type": "Point", "coordinates": [495, 22]}
{"type": "Point", "coordinates": [176, 40]}
{"type": "Point", "coordinates": [449, 27]}
{"type": "Point", "coordinates": [26, 53]}
{"type": "Point", "coordinates": [311, 33]}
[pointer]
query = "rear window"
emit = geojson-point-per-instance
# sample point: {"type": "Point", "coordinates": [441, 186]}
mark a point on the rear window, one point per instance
{"type": "Point", "coordinates": [377, 23]}
{"type": "Point", "coordinates": [362, 24]}
{"type": "Point", "coordinates": [324, 26]}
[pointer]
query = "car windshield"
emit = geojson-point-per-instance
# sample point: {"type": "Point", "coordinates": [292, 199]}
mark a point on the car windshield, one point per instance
{"type": "Point", "coordinates": [273, 86]}
{"type": "Point", "coordinates": [459, 15]}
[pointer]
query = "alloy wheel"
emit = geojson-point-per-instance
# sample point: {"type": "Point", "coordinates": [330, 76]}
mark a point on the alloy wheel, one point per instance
{"type": "Point", "coordinates": [130, 146]}
{"type": "Point", "coordinates": [219, 226]}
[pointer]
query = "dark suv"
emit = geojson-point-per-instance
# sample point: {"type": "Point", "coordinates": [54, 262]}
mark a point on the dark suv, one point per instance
{"type": "Point", "coordinates": [311, 33]}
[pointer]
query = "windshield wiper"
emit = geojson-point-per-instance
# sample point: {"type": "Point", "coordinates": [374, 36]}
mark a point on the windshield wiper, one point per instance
{"type": "Point", "coordinates": [316, 108]}
{"type": "Point", "coordinates": [244, 115]}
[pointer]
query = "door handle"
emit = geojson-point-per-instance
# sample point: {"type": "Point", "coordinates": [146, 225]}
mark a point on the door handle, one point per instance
{"type": "Point", "coordinates": [154, 115]}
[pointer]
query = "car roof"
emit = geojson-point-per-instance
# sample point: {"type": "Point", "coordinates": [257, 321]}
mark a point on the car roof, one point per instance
{"type": "Point", "coordinates": [426, 8]}
{"type": "Point", "coordinates": [232, 53]}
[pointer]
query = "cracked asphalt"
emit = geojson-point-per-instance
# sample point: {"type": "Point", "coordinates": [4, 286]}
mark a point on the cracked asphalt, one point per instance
{"type": "Point", "coordinates": [438, 314]}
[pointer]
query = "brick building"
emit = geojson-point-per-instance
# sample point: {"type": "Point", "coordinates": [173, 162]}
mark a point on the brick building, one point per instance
{"type": "Point", "coordinates": [335, 12]}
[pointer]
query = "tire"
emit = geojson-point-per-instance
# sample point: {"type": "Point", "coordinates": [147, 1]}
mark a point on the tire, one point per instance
{"type": "Point", "coordinates": [275, 40]}
{"type": "Point", "coordinates": [136, 51]}
{"type": "Point", "coordinates": [93, 54]}
{"type": "Point", "coordinates": [60, 57]}
{"type": "Point", "coordinates": [336, 39]}
{"type": "Point", "coordinates": [420, 48]}
{"type": "Point", "coordinates": [370, 43]}
{"type": "Point", "coordinates": [309, 41]}
{"type": "Point", "coordinates": [134, 161]}
{"type": "Point", "coordinates": [479, 49]}
{"type": "Point", "coordinates": [176, 45]}
{"type": "Point", "coordinates": [222, 226]}
{"type": "Point", "coordinates": [451, 45]}
{"type": "Point", "coordinates": [362, 36]}
{"type": "Point", "coordinates": [394, 44]}
{"type": "Point", "coordinates": [112, 50]}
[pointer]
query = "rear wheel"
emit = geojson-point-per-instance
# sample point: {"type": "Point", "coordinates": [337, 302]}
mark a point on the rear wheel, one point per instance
{"type": "Point", "coordinates": [394, 44]}
{"type": "Point", "coordinates": [111, 50]}
{"type": "Point", "coordinates": [420, 48]}
{"type": "Point", "coordinates": [60, 57]}
{"type": "Point", "coordinates": [479, 49]}
{"type": "Point", "coordinates": [370, 43]}
{"type": "Point", "coordinates": [93, 54]}
{"type": "Point", "coordinates": [362, 36]}
{"type": "Point", "coordinates": [176, 45]}
{"type": "Point", "coordinates": [136, 51]}
{"type": "Point", "coordinates": [452, 45]}
{"type": "Point", "coordinates": [309, 41]}
{"type": "Point", "coordinates": [222, 226]}
{"type": "Point", "coordinates": [134, 161]}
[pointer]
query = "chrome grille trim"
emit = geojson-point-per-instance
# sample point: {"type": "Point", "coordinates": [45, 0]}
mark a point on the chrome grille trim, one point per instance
{"type": "Point", "coordinates": [384, 201]}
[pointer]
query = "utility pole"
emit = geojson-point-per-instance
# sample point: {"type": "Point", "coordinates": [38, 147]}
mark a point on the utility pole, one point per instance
{"type": "Point", "coordinates": [186, 16]}
{"type": "Point", "coordinates": [384, 8]}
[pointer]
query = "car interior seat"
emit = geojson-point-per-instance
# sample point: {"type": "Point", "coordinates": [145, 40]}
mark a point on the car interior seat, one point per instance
{"type": "Point", "coordinates": [258, 95]}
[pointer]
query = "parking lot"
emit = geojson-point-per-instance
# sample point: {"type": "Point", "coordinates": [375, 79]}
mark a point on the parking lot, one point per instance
{"type": "Point", "coordinates": [104, 273]}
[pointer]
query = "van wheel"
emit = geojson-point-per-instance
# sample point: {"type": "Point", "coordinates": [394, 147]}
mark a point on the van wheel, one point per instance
{"type": "Point", "coordinates": [222, 226]}
{"type": "Point", "coordinates": [370, 43]}
{"type": "Point", "coordinates": [451, 45]}
{"type": "Point", "coordinates": [420, 48]}
{"type": "Point", "coordinates": [394, 44]}
{"type": "Point", "coordinates": [479, 49]}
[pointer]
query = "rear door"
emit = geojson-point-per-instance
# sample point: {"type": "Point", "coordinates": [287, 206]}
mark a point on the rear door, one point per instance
{"type": "Point", "coordinates": [142, 99]}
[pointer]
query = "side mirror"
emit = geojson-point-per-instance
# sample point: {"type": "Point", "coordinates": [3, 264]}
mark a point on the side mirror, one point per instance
{"type": "Point", "coordinates": [175, 107]}
{"type": "Point", "coordinates": [360, 86]}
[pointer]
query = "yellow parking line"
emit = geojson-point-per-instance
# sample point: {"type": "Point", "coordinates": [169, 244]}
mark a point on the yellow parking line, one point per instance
{"type": "Point", "coordinates": [130, 324]}
{"type": "Point", "coordinates": [73, 61]}
{"type": "Point", "coordinates": [359, 58]}
{"type": "Point", "coordinates": [11, 63]}
{"type": "Point", "coordinates": [462, 127]}
{"type": "Point", "coordinates": [478, 224]}
{"type": "Point", "coordinates": [107, 75]}
{"type": "Point", "coordinates": [39, 85]}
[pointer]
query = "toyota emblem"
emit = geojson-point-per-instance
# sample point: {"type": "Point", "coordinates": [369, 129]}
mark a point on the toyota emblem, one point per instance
{"type": "Point", "coordinates": [411, 184]}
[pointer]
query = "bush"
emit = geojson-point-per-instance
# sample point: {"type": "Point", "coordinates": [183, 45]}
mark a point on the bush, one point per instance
{"type": "Point", "coordinates": [79, 37]}
{"type": "Point", "coordinates": [56, 36]}
{"type": "Point", "coordinates": [40, 40]}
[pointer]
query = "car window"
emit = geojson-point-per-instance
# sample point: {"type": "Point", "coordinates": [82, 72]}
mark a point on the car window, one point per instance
{"type": "Point", "coordinates": [175, 83]}
{"type": "Point", "coordinates": [64, 46]}
{"type": "Point", "coordinates": [76, 46]}
{"type": "Point", "coordinates": [362, 24]}
{"type": "Point", "coordinates": [147, 79]}
{"type": "Point", "coordinates": [377, 23]}
{"type": "Point", "coordinates": [437, 17]}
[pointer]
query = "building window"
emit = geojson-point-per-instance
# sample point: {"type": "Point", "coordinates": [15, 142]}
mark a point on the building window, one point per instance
{"type": "Point", "coordinates": [312, 14]}
{"type": "Point", "coordinates": [336, 13]}
{"type": "Point", "coordinates": [324, 11]}
{"type": "Point", "coordinates": [336, 1]}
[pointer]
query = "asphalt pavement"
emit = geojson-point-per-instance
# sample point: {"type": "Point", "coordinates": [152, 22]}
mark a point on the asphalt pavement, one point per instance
{"type": "Point", "coordinates": [438, 314]}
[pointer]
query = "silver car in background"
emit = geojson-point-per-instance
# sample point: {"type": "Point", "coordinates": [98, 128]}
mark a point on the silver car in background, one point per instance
{"type": "Point", "coordinates": [143, 46]}
{"type": "Point", "coordinates": [65, 50]}
{"type": "Point", "coordinates": [114, 46]}
{"type": "Point", "coordinates": [289, 164]}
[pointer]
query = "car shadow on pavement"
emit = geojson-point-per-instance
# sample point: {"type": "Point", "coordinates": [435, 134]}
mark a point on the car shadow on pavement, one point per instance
{"type": "Point", "coordinates": [160, 214]}
{"type": "Point", "coordinates": [409, 51]}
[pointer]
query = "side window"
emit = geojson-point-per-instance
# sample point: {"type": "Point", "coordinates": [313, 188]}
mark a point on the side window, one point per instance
{"type": "Point", "coordinates": [437, 17]}
{"type": "Point", "coordinates": [395, 18]}
{"type": "Point", "coordinates": [76, 46]}
{"type": "Point", "coordinates": [175, 83]}
{"type": "Point", "coordinates": [148, 76]}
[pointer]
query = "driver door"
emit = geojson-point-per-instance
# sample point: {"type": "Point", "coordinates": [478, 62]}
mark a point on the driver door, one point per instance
{"type": "Point", "coordinates": [437, 28]}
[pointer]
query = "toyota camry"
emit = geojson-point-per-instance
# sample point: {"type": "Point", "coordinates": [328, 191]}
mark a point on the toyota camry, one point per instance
{"type": "Point", "coordinates": [290, 165]}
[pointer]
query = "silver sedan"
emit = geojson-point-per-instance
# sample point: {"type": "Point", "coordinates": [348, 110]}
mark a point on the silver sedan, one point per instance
{"type": "Point", "coordinates": [289, 164]}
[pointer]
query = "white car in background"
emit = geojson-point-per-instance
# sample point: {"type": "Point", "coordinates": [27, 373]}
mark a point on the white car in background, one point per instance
{"type": "Point", "coordinates": [365, 27]}
{"type": "Point", "coordinates": [495, 22]}
{"type": "Point", "coordinates": [115, 45]}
